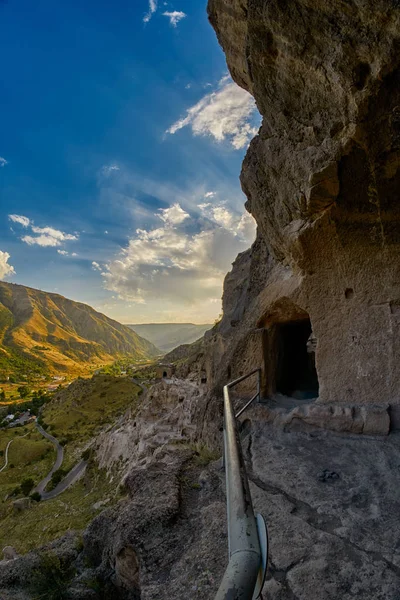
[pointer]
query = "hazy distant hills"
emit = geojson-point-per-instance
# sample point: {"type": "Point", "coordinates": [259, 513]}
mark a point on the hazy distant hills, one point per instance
{"type": "Point", "coordinates": [167, 336]}
{"type": "Point", "coordinates": [52, 331]}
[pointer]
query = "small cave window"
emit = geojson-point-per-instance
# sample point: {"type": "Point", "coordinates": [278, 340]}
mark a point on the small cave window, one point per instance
{"type": "Point", "coordinates": [164, 374]}
{"type": "Point", "coordinates": [296, 375]}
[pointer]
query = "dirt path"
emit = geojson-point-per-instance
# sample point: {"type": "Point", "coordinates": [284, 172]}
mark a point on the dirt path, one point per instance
{"type": "Point", "coordinates": [8, 445]}
{"type": "Point", "coordinates": [6, 463]}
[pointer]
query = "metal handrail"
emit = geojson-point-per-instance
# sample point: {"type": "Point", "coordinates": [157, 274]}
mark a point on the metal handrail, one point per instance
{"type": "Point", "coordinates": [247, 538]}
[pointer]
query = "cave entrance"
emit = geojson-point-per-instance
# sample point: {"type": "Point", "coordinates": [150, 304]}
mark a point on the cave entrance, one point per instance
{"type": "Point", "coordinates": [164, 374]}
{"type": "Point", "coordinates": [295, 372]}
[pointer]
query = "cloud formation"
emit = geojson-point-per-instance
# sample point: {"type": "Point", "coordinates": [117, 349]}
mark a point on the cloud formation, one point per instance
{"type": "Point", "coordinates": [24, 221]}
{"type": "Point", "coordinates": [151, 11]}
{"type": "Point", "coordinates": [183, 261]}
{"type": "Point", "coordinates": [5, 268]}
{"type": "Point", "coordinates": [45, 236]}
{"type": "Point", "coordinates": [227, 113]}
{"type": "Point", "coordinates": [174, 215]}
{"type": "Point", "coordinates": [174, 16]}
{"type": "Point", "coordinates": [3, 162]}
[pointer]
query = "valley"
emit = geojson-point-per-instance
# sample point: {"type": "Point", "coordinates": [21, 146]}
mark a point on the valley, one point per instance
{"type": "Point", "coordinates": [74, 416]}
{"type": "Point", "coordinates": [44, 334]}
{"type": "Point", "coordinates": [167, 336]}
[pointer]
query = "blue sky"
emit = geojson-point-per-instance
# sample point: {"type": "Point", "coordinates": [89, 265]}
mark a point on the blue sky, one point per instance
{"type": "Point", "coordinates": [121, 141]}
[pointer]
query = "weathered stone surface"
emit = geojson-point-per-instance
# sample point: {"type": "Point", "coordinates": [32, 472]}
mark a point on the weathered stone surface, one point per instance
{"type": "Point", "coordinates": [322, 180]}
{"type": "Point", "coordinates": [16, 575]}
{"type": "Point", "coordinates": [284, 413]}
{"type": "Point", "coordinates": [9, 553]}
{"type": "Point", "coordinates": [21, 504]}
{"type": "Point", "coordinates": [172, 412]}
{"type": "Point", "coordinates": [335, 537]}
{"type": "Point", "coordinates": [161, 542]}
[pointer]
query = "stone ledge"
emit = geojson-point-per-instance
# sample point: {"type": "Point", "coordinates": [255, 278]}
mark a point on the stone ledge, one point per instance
{"type": "Point", "coordinates": [346, 418]}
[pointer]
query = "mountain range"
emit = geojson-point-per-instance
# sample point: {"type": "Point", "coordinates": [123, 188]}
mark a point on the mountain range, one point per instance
{"type": "Point", "coordinates": [41, 331]}
{"type": "Point", "coordinates": [167, 336]}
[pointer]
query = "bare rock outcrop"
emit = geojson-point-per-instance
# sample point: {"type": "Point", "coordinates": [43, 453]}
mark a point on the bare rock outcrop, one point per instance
{"type": "Point", "coordinates": [322, 180]}
{"type": "Point", "coordinates": [173, 412]}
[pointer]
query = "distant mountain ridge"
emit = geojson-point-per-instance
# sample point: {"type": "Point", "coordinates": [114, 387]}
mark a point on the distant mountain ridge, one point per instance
{"type": "Point", "coordinates": [61, 334]}
{"type": "Point", "coordinates": [168, 336]}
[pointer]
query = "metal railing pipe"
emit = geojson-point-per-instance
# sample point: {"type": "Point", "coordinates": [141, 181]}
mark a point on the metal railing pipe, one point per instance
{"type": "Point", "coordinates": [240, 577]}
{"type": "Point", "coordinates": [239, 379]}
{"type": "Point", "coordinates": [249, 403]}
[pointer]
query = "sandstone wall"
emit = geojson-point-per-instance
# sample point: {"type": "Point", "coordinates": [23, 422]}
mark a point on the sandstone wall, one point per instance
{"type": "Point", "coordinates": [322, 180]}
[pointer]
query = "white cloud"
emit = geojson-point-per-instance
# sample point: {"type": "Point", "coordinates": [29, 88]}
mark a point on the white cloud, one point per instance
{"type": "Point", "coordinates": [3, 162]}
{"type": "Point", "coordinates": [5, 268]}
{"type": "Point", "coordinates": [62, 252]}
{"type": "Point", "coordinates": [45, 236]}
{"type": "Point", "coordinates": [96, 266]}
{"type": "Point", "coordinates": [24, 221]}
{"type": "Point", "coordinates": [152, 10]}
{"type": "Point", "coordinates": [174, 16]}
{"type": "Point", "coordinates": [74, 254]}
{"type": "Point", "coordinates": [227, 113]}
{"type": "Point", "coordinates": [209, 194]}
{"type": "Point", "coordinates": [106, 232]}
{"type": "Point", "coordinates": [184, 269]}
{"type": "Point", "coordinates": [174, 215]}
{"type": "Point", "coordinates": [188, 86]}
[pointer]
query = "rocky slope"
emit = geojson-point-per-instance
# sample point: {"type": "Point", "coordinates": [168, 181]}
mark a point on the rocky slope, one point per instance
{"type": "Point", "coordinates": [330, 502]}
{"type": "Point", "coordinates": [55, 332]}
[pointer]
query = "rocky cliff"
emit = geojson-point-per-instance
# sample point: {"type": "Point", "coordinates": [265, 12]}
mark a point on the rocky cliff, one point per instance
{"type": "Point", "coordinates": [322, 180]}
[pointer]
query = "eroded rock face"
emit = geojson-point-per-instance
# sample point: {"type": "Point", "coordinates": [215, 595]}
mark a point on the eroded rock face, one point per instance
{"type": "Point", "coordinates": [173, 412]}
{"type": "Point", "coordinates": [322, 180]}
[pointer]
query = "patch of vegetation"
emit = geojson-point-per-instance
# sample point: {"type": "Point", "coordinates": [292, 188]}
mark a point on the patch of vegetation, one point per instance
{"type": "Point", "coordinates": [50, 580]}
{"type": "Point", "coordinates": [50, 519]}
{"type": "Point", "coordinates": [128, 365]}
{"type": "Point", "coordinates": [80, 412]}
{"type": "Point", "coordinates": [27, 485]}
{"type": "Point", "coordinates": [203, 455]}
{"type": "Point", "coordinates": [32, 457]}
{"type": "Point", "coordinates": [75, 415]}
{"type": "Point", "coordinates": [56, 477]}
{"type": "Point", "coordinates": [16, 364]}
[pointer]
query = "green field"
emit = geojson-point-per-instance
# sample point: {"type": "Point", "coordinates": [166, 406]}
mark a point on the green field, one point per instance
{"type": "Point", "coordinates": [31, 456]}
{"type": "Point", "coordinates": [46, 521]}
{"type": "Point", "coordinates": [74, 416]}
{"type": "Point", "coordinates": [80, 412]}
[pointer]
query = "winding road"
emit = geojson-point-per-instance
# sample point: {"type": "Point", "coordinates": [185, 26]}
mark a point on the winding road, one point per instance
{"type": "Point", "coordinates": [6, 454]}
{"type": "Point", "coordinates": [68, 480]}
{"type": "Point", "coordinates": [74, 474]}
{"type": "Point", "coordinates": [59, 460]}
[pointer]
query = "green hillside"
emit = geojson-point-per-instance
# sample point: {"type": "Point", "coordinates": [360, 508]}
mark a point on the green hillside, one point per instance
{"type": "Point", "coordinates": [41, 331]}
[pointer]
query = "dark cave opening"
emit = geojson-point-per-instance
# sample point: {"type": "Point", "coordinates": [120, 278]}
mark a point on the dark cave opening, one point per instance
{"type": "Point", "coordinates": [296, 375]}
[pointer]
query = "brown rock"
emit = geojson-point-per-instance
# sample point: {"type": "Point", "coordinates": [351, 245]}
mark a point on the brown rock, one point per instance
{"type": "Point", "coordinates": [322, 180]}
